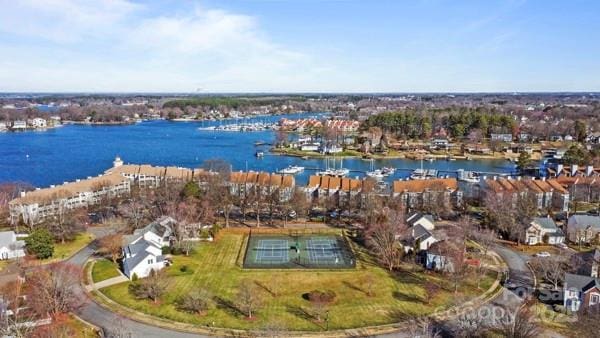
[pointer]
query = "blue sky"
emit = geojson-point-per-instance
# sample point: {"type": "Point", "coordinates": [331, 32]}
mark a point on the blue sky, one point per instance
{"type": "Point", "coordinates": [299, 46]}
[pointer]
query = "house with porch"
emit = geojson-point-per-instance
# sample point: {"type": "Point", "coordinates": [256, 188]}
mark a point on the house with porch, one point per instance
{"type": "Point", "coordinates": [543, 230]}
{"type": "Point", "coordinates": [11, 246]}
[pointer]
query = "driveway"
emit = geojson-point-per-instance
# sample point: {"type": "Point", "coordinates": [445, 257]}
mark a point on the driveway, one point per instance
{"type": "Point", "coordinates": [109, 321]}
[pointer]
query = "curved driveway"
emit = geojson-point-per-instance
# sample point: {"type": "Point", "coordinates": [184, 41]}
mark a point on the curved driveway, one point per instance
{"type": "Point", "coordinates": [108, 321]}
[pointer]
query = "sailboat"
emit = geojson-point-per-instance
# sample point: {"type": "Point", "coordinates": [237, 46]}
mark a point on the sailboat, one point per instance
{"type": "Point", "coordinates": [341, 172]}
{"type": "Point", "coordinates": [376, 174]}
{"type": "Point", "coordinates": [422, 174]}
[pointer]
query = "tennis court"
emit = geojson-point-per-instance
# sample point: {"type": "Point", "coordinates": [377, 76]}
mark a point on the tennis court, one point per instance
{"type": "Point", "coordinates": [272, 251]}
{"type": "Point", "coordinates": [298, 251]}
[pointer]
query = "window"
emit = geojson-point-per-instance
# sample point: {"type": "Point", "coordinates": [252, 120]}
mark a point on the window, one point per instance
{"type": "Point", "coordinates": [150, 261]}
{"type": "Point", "coordinates": [594, 299]}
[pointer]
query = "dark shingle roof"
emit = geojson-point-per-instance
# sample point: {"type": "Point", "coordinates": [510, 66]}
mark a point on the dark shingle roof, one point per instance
{"type": "Point", "coordinates": [580, 282]}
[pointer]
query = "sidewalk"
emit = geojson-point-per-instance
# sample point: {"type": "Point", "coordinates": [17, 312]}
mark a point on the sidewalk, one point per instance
{"type": "Point", "coordinates": [107, 282]}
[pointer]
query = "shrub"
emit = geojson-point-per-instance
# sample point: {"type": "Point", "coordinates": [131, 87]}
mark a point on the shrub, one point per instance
{"type": "Point", "coordinates": [176, 250]}
{"type": "Point", "coordinates": [166, 250]}
{"type": "Point", "coordinates": [40, 243]}
{"type": "Point", "coordinates": [134, 277]}
{"type": "Point", "coordinates": [183, 268]}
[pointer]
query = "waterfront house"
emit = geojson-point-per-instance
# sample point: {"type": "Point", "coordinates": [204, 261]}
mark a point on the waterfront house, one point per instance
{"type": "Point", "coordinates": [547, 193]}
{"type": "Point", "coordinates": [38, 123]}
{"type": "Point", "coordinates": [543, 230]}
{"type": "Point", "coordinates": [310, 147]}
{"type": "Point", "coordinates": [440, 143]}
{"type": "Point", "coordinates": [11, 246]}
{"type": "Point", "coordinates": [142, 251]}
{"type": "Point", "coordinates": [243, 183]}
{"type": "Point", "coordinates": [417, 193]}
{"type": "Point", "coordinates": [34, 206]}
{"type": "Point", "coordinates": [580, 292]}
{"type": "Point", "coordinates": [19, 125]}
{"type": "Point", "coordinates": [583, 228]}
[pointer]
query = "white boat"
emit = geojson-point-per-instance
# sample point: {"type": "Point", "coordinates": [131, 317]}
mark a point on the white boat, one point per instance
{"type": "Point", "coordinates": [375, 173]}
{"type": "Point", "coordinates": [386, 171]}
{"type": "Point", "coordinates": [259, 154]}
{"type": "Point", "coordinates": [293, 170]}
{"type": "Point", "coordinates": [339, 172]}
{"type": "Point", "coordinates": [467, 176]}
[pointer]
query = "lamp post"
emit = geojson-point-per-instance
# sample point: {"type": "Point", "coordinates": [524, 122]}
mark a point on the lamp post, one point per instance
{"type": "Point", "coordinates": [327, 320]}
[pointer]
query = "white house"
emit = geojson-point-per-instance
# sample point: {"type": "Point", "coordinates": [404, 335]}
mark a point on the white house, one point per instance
{"type": "Point", "coordinates": [310, 147]}
{"type": "Point", "coordinates": [543, 230]}
{"type": "Point", "coordinates": [143, 250]}
{"type": "Point", "coordinates": [426, 221]}
{"type": "Point", "coordinates": [19, 125]}
{"type": "Point", "coordinates": [10, 246]}
{"type": "Point", "coordinates": [38, 123]}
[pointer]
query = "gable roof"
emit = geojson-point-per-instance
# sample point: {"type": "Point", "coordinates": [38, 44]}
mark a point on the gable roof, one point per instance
{"type": "Point", "coordinates": [437, 184]}
{"type": "Point", "coordinates": [545, 223]}
{"type": "Point", "coordinates": [580, 282]}
{"type": "Point", "coordinates": [417, 216]}
{"type": "Point", "coordinates": [583, 221]}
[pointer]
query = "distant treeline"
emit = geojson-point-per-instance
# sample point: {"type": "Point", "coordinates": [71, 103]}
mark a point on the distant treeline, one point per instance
{"type": "Point", "coordinates": [230, 102]}
{"type": "Point", "coordinates": [413, 124]}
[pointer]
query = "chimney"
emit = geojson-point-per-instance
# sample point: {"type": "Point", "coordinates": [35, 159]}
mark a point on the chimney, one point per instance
{"type": "Point", "coordinates": [589, 170]}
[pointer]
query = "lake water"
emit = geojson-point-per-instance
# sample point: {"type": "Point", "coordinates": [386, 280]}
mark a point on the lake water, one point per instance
{"type": "Point", "coordinates": [77, 151]}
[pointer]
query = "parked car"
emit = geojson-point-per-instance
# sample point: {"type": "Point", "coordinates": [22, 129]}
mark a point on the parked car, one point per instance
{"type": "Point", "coordinates": [510, 284]}
{"type": "Point", "coordinates": [292, 214]}
{"type": "Point", "coordinates": [543, 254]}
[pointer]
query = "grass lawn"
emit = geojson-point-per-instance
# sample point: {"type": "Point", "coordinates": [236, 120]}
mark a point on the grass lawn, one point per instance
{"type": "Point", "coordinates": [63, 251]}
{"type": "Point", "coordinates": [104, 269]}
{"type": "Point", "coordinates": [213, 267]}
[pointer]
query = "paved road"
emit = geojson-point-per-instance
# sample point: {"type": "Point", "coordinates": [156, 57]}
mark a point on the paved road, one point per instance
{"type": "Point", "coordinates": [109, 321]}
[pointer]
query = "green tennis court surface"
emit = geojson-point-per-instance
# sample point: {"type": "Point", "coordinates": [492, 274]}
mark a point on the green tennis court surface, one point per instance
{"type": "Point", "coordinates": [298, 251]}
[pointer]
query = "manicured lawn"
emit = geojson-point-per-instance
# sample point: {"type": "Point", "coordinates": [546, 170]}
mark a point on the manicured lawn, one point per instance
{"type": "Point", "coordinates": [213, 267]}
{"type": "Point", "coordinates": [104, 269]}
{"type": "Point", "coordinates": [64, 251]}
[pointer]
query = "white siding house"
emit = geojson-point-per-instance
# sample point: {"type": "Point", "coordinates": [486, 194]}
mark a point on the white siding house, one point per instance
{"type": "Point", "coordinates": [143, 250]}
{"type": "Point", "coordinates": [10, 246]}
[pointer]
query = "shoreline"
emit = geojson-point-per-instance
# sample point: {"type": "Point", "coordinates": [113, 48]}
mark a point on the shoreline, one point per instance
{"type": "Point", "coordinates": [397, 155]}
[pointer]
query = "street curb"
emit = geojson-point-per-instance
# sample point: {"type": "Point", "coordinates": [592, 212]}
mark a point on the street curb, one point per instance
{"type": "Point", "coordinates": [102, 300]}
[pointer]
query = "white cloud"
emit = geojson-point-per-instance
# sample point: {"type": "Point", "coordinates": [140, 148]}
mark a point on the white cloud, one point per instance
{"type": "Point", "coordinates": [110, 46]}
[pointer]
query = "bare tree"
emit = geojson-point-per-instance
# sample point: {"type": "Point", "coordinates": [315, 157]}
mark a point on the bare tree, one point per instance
{"type": "Point", "coordinates": [521, 324]}
{"type": "Point", "coordinates": [422, 327]}
{"type": "Point", "coordinates": [248, 297]}
{"type": "Point", "coordinates": [320, 301]}
{"type": "Point", "coordinates": [197, 301]}
{"type": "Point", "coordinates": [551, 268]}
{"type": "Point", "coordinates": [52, 289]}
{"type": "Point", "coordinates": [431, 289]}
{"type": "Point", "coordinates": [151, 287]}
{"type": "Point", "coordinates": [470, 325]}
{"type": "Point", "coordinates": [111, 245]}
{"type": "Point", "coordinates": [11, 325]}
{"type": "Point", "coordinates": [382, 238]}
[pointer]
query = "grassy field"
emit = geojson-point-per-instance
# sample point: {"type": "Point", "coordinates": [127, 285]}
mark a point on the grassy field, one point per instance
{"type": "Point", "coordinates": [64, 251]}
{"type": "Point", "coordinates": [104, 269]}
{"type": "Point", "coordinates": [213, 267]}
